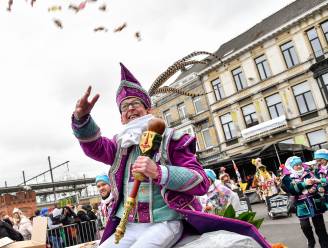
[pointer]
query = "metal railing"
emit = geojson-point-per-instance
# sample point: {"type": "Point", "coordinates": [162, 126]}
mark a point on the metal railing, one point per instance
{"type": "Point", "coordinates": [74, 234]}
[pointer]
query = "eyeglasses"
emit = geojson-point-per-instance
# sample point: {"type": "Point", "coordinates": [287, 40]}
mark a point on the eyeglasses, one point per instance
{"type": "Point", "coordinates": [134, 104]}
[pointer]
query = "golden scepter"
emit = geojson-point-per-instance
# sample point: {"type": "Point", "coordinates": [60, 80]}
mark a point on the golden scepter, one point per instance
{"type": "Point", "coordinates": [149, 144]}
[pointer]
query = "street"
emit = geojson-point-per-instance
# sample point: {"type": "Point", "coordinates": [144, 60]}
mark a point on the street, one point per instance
{"type": "Point", "coordinates": [282, 229]}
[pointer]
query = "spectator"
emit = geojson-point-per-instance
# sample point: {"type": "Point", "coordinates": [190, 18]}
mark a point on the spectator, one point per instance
{"type": "Point", "coordinates": [37, 212]}
{"type": "Point", "coordinates": [8, 219]}
{"type": "Point", "coordinates": [44, 212]}
{"type": "Point", "coordinates": [6, 230]}
{"type": "Point", "coordinates": [218, 196]}
{"type": "Point", "coordinates": [68, 218]}
{"type": "Point", "coordinates": [84, 226]}
{"type": "Point", "coordinates": [92, 222]}
{"type": "Point", "coordinates": [103, 185]}
{"type": "Point", "coordinates": [54, 232]}
{"type": "Point", "coordinates": [22, 224]}
{"type": "Point", "coordinates": [226, 181]}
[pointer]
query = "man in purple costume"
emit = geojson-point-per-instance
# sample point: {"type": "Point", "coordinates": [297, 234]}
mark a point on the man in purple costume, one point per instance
{"type": "Point", "coordinates": [167, 199]}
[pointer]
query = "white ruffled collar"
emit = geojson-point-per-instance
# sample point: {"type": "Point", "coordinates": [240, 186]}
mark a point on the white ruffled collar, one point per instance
{"type": "Point", "coordinates": [132, 131]}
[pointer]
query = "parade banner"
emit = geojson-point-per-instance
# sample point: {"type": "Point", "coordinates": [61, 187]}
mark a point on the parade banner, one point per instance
{"type": "Point", "coordinates": [69, 200]}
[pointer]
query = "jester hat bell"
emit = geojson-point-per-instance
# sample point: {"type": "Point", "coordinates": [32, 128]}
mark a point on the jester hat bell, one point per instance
{"type": "Point", "coordinates": [130, 87]}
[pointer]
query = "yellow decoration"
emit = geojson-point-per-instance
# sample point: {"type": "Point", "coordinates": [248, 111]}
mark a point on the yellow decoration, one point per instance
{"type": "Point", "coordinates": [120, 230]}
{"type": "Point", "coordinates": [301, 140]}
{"type": "Point", "coordinates": [146, 142]}
{"type": "Point", "coordinates": [54, 8]}
{"type": "Point", "coordinates": [243, 186]}
{"type": "Point", "coordinates": [257, 107]}
{"type": "Point", "coordinates": [286, 98]}
{"type": "Point", "coordinates": [234, 116]}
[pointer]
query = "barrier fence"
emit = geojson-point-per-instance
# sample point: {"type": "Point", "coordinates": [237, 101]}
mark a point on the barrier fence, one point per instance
{"type": "Point", "coordinates": [74, 234]}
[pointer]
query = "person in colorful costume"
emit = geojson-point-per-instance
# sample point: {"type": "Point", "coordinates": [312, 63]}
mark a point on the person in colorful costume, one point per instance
{"type": "Point", "coordinates": [218, 196]}
{"type": "Point", "coordinates": [263, 180]}
{"type": "Point", "coordinates": [228, 182]}
{"type": "Point", "coordinates": [103, 185]}
{"type": "Point", "coordinates": [167, 199]}
{"type": "Point", "coordinates": [302, 184]}
{"type": "Point", "coordinates": [321, 156]}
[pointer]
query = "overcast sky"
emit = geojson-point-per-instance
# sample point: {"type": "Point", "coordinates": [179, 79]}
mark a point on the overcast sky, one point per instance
{"type": "Point", "coordinates": [44, 69]}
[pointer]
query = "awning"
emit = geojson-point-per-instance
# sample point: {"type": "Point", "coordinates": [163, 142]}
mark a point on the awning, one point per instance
{"type": "Point", "coordinates": [266, 152]}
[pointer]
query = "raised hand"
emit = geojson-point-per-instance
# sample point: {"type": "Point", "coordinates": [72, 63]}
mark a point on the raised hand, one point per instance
{"type": "Point", "coordinates": [83, 105]}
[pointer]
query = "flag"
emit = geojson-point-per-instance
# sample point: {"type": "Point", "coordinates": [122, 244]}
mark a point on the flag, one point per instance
{"type": "Point", "coordinates": [237, 172]}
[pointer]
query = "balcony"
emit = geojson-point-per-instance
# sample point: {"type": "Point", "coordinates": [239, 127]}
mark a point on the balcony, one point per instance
{"type": "Point", "coordinates": [264, 129]}
{"type": "Point", "coordinates": [181, 120]}
{"type": "Point", "coordinates": [209, 155]}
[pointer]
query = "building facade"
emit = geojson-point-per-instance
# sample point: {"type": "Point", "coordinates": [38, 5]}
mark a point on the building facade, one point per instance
{"type": "Point", "coordinates": [269, 86]}
{"type": "Point", "coordinates": [190, 115]}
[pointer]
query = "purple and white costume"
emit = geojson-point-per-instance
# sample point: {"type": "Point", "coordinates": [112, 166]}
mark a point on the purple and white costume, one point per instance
{"type": "Point", "coordinates": [170, 199]}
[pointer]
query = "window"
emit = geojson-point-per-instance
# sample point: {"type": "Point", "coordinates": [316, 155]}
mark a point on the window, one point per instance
{"type": "Point", "coordinates": [274, 105]}
{"type": "Point", "coordinates": [198, 104]}
{"type": "Point", "coordinates": [182, 111]}
{"type": "Point", "coordinates": [290, 56]}
{"type": "Point", "coordinates": [188, 131]}
{"type": "Point", "coordinates": [228, 127]}
{"type": "Point", "coordinates": [217, 88]}
{"type": "Point", "coordinates": [304, 98]}
{"type": "Point", "coordinates": [207, 138]}
{"type": "Point", "coordinates": [323, 85]}
{"type": "Point", "coordinates": [317, 139]}
{"type": "Point", "coordinates": [167, 117]}
{"type": "Point", "coordinates": [250, 115]}
{"type": "Point", "coordinates": [239, 78]}
{"type": "Point", "coordinates": [262, 67]}
{"type": "Point", "coordinates": [315, 42]}
{"type": "Point", "coordinates": [324, 27]}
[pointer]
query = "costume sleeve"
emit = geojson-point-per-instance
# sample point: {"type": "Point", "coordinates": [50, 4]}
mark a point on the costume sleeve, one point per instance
{"type": "Point", "coordinates": [185, 174]}
{"type": "Point", "coordinates": [93, 144]}
{"type": "Point", "coordinates": [294, 188]}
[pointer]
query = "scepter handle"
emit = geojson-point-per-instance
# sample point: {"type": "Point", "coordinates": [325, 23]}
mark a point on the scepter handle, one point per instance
{"type": "Point", "coordinates": [149, 144]}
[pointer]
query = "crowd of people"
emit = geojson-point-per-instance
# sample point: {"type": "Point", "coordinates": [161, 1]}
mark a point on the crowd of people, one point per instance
{"type": "Point", "coordinates": [307, 183]}
{"type": "Point", "coordinates": [66, 226]}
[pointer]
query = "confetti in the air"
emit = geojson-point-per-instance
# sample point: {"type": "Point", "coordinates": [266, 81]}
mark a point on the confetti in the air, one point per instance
{"type": "Point", "coordinates": [10, 3]}
{"type": "Point", "coordinates": [103, 7]}
{"type": "Point", "coordinates": [76, 6]}
{"type": "Point", "coordinates": [82, 5]}
{"type": "Point", "coordinates": [137, 35]}
{"type": "Point", "coordinates": [101, 28]}
{"type": "Point", "coordinates": [79, 7]}
{"type": "Point", "coordinates": [120, 28]}
{"type": "Point", "coordinates": [54, 8]}
{"type": "Point", "coordinates": [58, 23]}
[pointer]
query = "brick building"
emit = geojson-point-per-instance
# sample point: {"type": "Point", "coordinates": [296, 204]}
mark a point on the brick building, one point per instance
{"type": "Point", "coordinates": [24, 200]}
